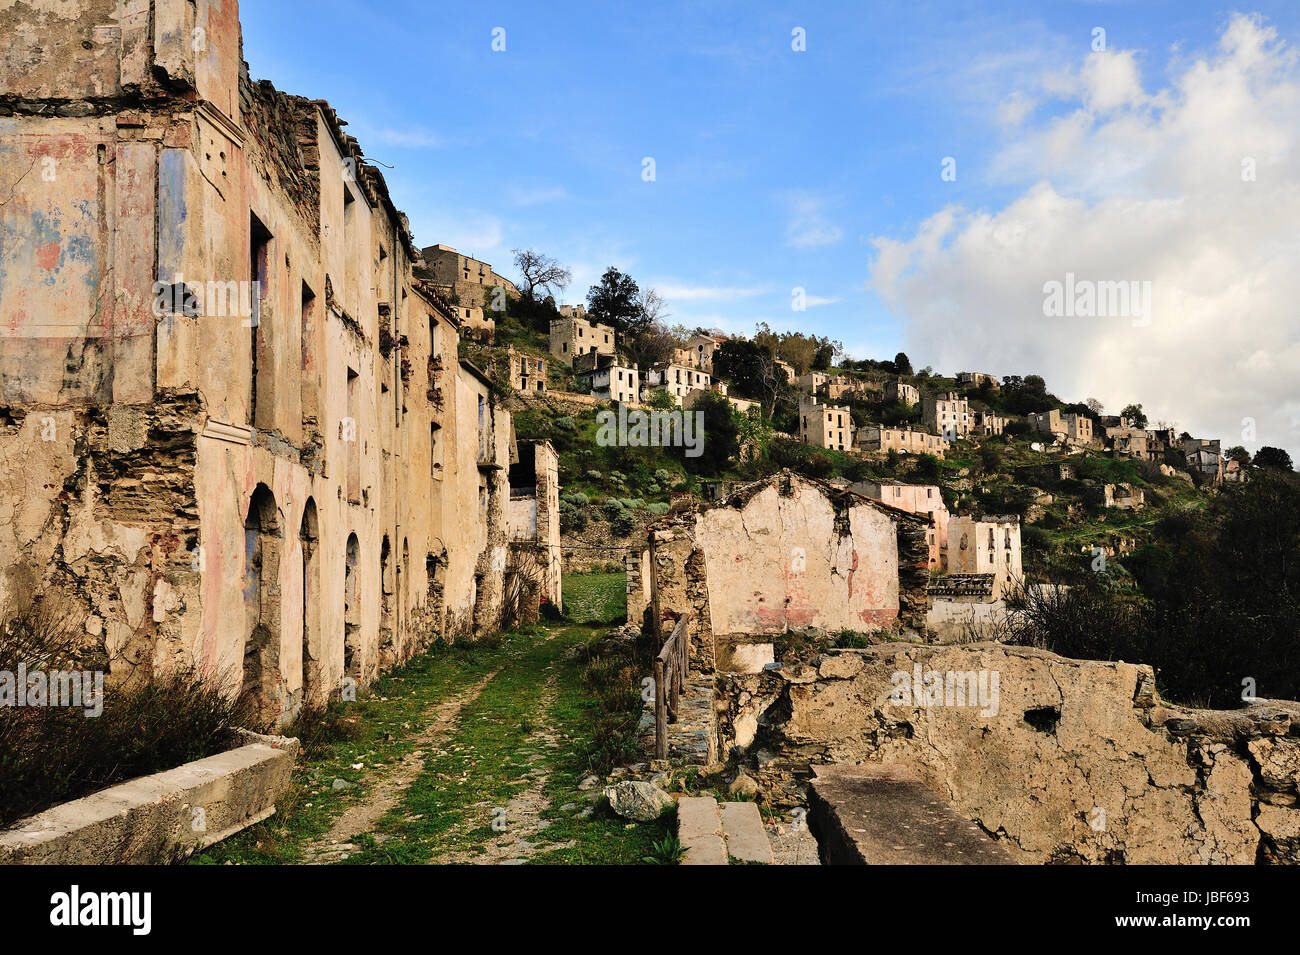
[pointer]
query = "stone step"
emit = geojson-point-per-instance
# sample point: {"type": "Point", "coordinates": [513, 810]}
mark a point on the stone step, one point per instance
{"type": "Point", "coordinates": [884, 815]}
{"type": "Point", "coordinates": [699, 830]}
{"type": "Point", "coordinates": [743, 832]}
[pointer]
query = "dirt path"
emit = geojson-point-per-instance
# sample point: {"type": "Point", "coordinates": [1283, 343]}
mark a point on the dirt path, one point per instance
{"type": "Point", "coordinates": [520, 820]}
{"type": "Point", "coordinates": [384, 793]}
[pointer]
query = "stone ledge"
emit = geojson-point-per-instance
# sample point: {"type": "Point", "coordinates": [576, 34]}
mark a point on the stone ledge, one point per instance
{"type": "Point", "coordinates": [154, 819]}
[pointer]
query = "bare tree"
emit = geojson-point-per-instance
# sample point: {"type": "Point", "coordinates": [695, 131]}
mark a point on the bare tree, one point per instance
{"type": "Point", "coordinates": [540, 272]}
{"type": "Point", "coordinates": [653, 307]}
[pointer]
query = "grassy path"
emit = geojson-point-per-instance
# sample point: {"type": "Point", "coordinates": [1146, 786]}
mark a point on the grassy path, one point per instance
{"type": "Point", "coordinates": [470, 754]}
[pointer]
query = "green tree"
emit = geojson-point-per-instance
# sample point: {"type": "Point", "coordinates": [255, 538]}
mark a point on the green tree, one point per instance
{"type": "Point", "coordinates": [902, 364]}
{"type": "Point", "coordinates": [928, 468]}
{"type": "Point", "coordinates": [616, 301]}
{"type": "Point", "coordinates": [1269, 457]}
{"type": "Point", "coordinates": [1134, 415]}
{"type": "Point", "coordinates": [720, 442]}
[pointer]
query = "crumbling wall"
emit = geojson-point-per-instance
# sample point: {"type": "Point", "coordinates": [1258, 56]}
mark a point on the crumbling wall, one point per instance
{"type": "Point", "coordinates": [790, 553]}
{"type": "Point", "coordinates": [1066, 760]}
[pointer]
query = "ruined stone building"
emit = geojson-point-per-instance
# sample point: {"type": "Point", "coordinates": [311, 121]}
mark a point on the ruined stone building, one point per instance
{"type": "Point", "coordinates": [924, 499]}
{"type": "Point", "coordinates": [842, 386]}
{"type": "Point", "coordinates": [976, 379]}
{"type": "Point", "coordinates": [986, 545]}
{"type": "Point", "coordinates": [1204, 457]}
{"type": "Point", "coordinates": [533, 526]}
{"type": "Point", "coordinates": [572, 335]}
{"type": "Point", "coordinates": [1128, 442]}
{"type": "Point", "coordinates": [825, 426]}
{"type": "Point", "coordinates": [1072, 429]}
{"type": "Point", "coordinates": [784, 553]}
{"type": "Point", "coordinates": [947, 415]}
{"type": "Point", "coordinates": [875, 437]}
{"type": "Point", "coordinates": [986, 424]}
{"type": "Point", "coordinates": [678, 380]}
{"type": "Point", "coordinates": [609, 377]}
{"type": "Point", "coordinates": [898, 390]}
{"type": "Point", "coordinates": [810, 383]}
{"type": "Point", "coordinates": [236, 431]}
{"type": "Point", "coordinates": [465, 280]}
{"type": "Point", "coordinates": [527, 372]}
{"type": "Point", "coordinates": [701, 348]}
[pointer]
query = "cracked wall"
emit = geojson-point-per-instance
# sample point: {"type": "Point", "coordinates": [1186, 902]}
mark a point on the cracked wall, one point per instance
{"type": "Point", "coordinates": [135, 149]}
{"type": "Point", "coordinates": [1081, 762]}
{"type": "Point", "coordinates": [790, 553]}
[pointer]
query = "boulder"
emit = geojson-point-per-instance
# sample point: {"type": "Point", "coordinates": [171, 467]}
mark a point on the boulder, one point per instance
{"type": "Point", "coordinates": [639, 801]}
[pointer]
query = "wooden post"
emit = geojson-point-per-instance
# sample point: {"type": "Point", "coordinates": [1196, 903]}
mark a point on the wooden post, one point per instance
{"type": "Point", "coordinates": [661, 716]}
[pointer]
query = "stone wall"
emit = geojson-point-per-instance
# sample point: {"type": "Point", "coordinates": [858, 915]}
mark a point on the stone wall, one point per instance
{"type": "Point", "coordinates": [1068, 761]}
{"type": "Point", "coordinates": [789, 553]}
{"type": "Point", "coordinates": [287, 495]}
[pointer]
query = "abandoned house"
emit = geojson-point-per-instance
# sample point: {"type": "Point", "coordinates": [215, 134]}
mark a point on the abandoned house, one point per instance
{"type": "Point", "coordinates": [239, 437]}
{"type": "Point", "coordinates": [947, 415]}
{"type": "Point", "coordinates": [924, 499]}
{"type": "Point", "coordinates": [678, 380]}
{"type": "Point", "coordinates": [900, 391]}
{"type": "Point", "coordinates": [785, 553]}
{"type": "Point", "coordinates": [573, 335]}
{"type": "Point", "coordinates": [986, 424]}
{"type": "Point", "coordinates": [977, 379]}
{"type": "Point", "coordinates": [1072, 429]}
{"type": "Point", "coordinates": [533, 576]}
{"type": "Point", "coordinates": [825, 426]}
{"type": "Point", "coordinates": [527, 372]}
{"type": "Point", "coordinates": [875, 437]}
{"type": "Point", "coordinates": [701, 348]}
{"type": "Point", "coordinates": [609, 377]}
{"type": "Point", "coordinates": [465, 280]}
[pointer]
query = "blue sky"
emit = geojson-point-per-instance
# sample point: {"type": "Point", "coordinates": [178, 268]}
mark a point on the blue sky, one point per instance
{"type": "Point", "coordinates": [775, 169]}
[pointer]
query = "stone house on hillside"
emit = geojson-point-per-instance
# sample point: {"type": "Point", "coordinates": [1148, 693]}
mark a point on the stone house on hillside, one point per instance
{"type": "Point", "coordinates": [875, 437]}
{"type": "Point", "coordinates": [527, 372]}
{"type": "Point", "coordinates": [702, 348]}
{"type": "Point", "coordinates": [238, 434]}
{"type": "Point", "coordinates": [947, 415]}
{"type": "Point", "coordinates": [987, 545]}
{"type": "Point", "coordinates": [678, 380]}
{"type": "Point", "coordinates": [572, 335]}
{"type": "Point", "coordinates": [468, 281]}
{"type": "Point", "coordinates": [986, 424]}
{"type": "Point", "coordinates": [825, 426]}
{"type": "Point", "coordinates": [924, 499]}
{"type": "Point", "coordinates": [1072, 429]}
{"type": "Point", "coordinates": [610, 377]}
{"type": "Point", "coordinates": [898, 390]}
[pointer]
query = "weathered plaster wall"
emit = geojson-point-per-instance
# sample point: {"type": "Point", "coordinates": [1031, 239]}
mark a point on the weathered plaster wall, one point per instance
{"type": "Point", "coordinates": [133, 150]}
{"type": "Point", "coordinates": [1067, 738]}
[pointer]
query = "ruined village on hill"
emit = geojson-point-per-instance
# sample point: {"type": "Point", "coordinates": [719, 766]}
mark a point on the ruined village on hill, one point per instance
{"type": "Point", "coordinates": [445, 569]}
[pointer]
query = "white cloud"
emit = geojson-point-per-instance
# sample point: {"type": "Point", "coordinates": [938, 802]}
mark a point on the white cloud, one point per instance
{"type": "Point", "coordinates": [1139, 186]}
{"type": "Point", "coordinates": [808, 226]}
